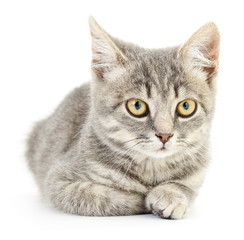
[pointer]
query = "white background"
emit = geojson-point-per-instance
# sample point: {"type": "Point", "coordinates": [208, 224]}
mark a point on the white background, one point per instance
{"type": "Point", "coordinates": [45, 52]}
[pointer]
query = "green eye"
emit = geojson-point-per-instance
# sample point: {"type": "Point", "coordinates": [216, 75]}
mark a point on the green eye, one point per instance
{"type": "Point", "coordinates": [186, 108]}
{"type": "Point", "coordinates": [137, 108]}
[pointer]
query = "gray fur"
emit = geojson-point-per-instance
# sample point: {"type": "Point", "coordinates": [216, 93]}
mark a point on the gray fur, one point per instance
{"type": "Point", "coordinates": [91, 157]}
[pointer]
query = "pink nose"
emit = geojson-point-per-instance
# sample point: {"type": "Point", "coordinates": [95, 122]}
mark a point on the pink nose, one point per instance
{"type": "Point", "coordinates": [164, 137]}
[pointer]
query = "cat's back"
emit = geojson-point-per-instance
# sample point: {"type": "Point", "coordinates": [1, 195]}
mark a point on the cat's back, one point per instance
{"type": "Point", "coordinates": [56, 134]}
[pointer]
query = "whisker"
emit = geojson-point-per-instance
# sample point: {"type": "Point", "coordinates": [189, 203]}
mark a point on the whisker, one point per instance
{"type": "Point", "coordinates": [76, 134]}
{"type": "Point", "coordinates": [132, 140]}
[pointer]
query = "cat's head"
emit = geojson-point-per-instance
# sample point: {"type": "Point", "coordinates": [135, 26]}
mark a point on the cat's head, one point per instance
{"type": "Point", "coordinates": [155, 102]}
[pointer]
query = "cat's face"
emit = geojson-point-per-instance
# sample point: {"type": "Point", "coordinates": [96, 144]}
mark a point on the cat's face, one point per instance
{"type": "Point", "coordinates": [154, 103]}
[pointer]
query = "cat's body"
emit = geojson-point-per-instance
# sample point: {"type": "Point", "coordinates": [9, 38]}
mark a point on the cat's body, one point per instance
{"type": "Point", "coordinates": [93, 157]}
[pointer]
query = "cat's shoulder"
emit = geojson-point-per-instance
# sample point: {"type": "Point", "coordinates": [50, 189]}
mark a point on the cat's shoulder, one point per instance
{"type": "Point", "coordinates": [77, 101]}
{"type": "Point", "coordinates": [79, 94]}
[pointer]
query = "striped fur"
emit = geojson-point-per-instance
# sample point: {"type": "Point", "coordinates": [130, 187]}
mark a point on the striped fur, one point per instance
{"type": "Point", "coordinates": [91, 157]}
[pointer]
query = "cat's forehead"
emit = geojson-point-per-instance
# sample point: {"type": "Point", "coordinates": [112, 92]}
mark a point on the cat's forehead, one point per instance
{"type": "Point", "coordinates": [156, 72]}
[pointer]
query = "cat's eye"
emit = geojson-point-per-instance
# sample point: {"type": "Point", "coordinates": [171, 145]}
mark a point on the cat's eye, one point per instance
{"type": "Point", "coordinates": [186, 108]}
{"type": "Point", "coordinates": [137, 108]}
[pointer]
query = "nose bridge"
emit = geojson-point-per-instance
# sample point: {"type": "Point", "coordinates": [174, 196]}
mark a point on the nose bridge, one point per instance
{"type": "Point", "coordinates": [163, 122]}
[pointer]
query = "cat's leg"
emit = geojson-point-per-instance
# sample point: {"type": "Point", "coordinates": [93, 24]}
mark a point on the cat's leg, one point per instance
{"type": "Point", "coordinates": [170, 200]}
{"type": "Point", "coordinates": [79, 195]}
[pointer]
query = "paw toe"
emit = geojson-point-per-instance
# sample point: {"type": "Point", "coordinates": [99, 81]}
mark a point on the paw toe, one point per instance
{"type": "Point", "coordinates": [178, 212]}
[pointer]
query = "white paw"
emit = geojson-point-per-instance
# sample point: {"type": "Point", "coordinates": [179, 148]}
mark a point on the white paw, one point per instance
{"type": "Point", "coordinates": [167, 202]}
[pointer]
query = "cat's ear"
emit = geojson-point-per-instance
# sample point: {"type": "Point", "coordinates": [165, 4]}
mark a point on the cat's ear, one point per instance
{"type": "Point", "coordinates": [105, 54]}
{"type": "Point", "coordinates": [202, 49]}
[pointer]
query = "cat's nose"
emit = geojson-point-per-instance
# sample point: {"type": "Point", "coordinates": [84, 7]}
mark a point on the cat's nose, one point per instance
{"type": "Point", "coordinates": [164, 137]}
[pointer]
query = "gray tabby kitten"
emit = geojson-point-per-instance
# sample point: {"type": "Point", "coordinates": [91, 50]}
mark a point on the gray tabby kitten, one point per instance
{"type": "Point", "coordinates": [135, 139]}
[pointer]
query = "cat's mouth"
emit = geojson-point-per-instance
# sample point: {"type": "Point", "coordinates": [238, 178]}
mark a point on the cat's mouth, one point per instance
{"type": "Point", "coordinates": [163, 148]}
{"type": "Point", "coordinates": [162, 152]}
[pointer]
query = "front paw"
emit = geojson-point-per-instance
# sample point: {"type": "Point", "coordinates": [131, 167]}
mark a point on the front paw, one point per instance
{"type": "Point", "coordinates": [167, 201]}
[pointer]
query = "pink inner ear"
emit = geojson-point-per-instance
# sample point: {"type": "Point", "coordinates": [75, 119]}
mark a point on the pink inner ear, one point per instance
{"type": "Point", "coordinates": [213, 49]}
{"type": "Point", "coordinates": [213, 54]}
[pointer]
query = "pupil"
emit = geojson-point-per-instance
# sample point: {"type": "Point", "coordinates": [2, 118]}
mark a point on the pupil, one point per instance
{"type": "Point", "coordinates": [137, 105]}
{"type": "Point", "coordinates": [186, 105]}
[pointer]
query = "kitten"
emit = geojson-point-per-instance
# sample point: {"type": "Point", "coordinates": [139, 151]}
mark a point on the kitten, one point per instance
{"type": "Point", "coordinates": [135, 139]}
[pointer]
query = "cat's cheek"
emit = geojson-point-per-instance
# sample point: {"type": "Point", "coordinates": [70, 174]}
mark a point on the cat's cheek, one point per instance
{"type": "Point", "coordinates": [122, 135]}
